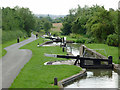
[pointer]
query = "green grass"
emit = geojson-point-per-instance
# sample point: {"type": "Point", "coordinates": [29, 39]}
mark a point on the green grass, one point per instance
{"type": "Point", "coordinates": [37, 75]}
{"type": "Point", "coordinates": [108, 50]}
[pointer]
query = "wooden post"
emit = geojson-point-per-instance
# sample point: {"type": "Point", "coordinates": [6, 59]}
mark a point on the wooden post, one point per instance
{"type": "Point", "coordinates": [55, 81]}
{"type": "Point", "coordinates": [110, 60]}
{"type": "Point", "coordinates": [70, 49]}
{"type": "Point", "coordinates": [63, 39]}
{"type": "Point", "coordinates": [77, 59]}
{"type": "Point", "coordinates": [83, 51]}
{"type": "Point", "coordinates": [82, 62]}
{"type": "Point", "coordinates": [63, 49]}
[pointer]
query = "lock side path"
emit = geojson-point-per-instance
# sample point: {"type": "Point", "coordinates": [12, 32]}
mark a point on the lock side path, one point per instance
{"type": "Point", "coordinates": [14, 61]}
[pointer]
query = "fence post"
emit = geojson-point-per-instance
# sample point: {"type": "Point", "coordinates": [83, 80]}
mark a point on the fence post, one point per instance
{"type": "Point", "coordinates": [110, 60]}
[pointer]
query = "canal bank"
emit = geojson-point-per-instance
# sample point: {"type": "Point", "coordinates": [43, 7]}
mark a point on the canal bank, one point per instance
{"type": "Point", "coordinates": [37, 75]}
{"type": "Point", "coordinates": [95, 77]}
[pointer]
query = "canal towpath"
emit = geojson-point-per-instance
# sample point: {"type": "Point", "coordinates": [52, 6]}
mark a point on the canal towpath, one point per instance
{"type": "Point", "coordinates": [13, 62]}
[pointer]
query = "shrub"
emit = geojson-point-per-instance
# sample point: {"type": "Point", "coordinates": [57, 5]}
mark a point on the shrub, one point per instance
{"type": "Point", "coordinates": [72, 35]}
{"type": "Point", "coordinates": [11, 35]}
{"type": "Point", "coordinates": [112, 40]}
{"type": "Point", "coordinates": [56, 33]}
{"type": "Point", "coordinates": [81, 40]}
{"type": "Point", "coordinates": [91, 40]}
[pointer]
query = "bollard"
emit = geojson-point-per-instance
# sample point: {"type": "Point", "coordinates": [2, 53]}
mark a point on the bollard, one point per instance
{"type": "Point", "coordinates": [18, 40]}
{"type": "Point", "coordinates": [55, 81]}
{"type": "Point", "coordinates": [63, 49]}
{"type": "Point", "coordinates": [36, 35]}
{"type": "Point", "coordinates": [38, 45]}
{"type": "Point", "coordinates": [110, 58]}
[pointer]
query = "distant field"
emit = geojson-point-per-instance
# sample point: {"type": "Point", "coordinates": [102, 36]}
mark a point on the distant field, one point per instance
{"type": "Point", "coordinates": [56, 27]}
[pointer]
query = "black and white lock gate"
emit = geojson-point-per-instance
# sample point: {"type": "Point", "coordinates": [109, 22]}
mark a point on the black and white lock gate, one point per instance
{"type": "Point", "coordinates": [97, 63]}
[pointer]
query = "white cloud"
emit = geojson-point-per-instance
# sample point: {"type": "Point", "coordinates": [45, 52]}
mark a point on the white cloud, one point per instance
{"type": "Point", "coordinates": [57, 6]}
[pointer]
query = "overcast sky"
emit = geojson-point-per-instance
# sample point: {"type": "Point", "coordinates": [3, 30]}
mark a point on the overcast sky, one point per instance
{"type": "Point", "coordinates": [57, 7]}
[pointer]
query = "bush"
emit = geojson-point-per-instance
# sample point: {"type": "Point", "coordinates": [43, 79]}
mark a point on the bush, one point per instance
{"type": "Point", "coordinates": [112, 40]}
{"type": "Point", "coordinates": [72, 35]}
{"type": "Point", "coordinates": [81, 40]}
{"type": "Point", "coordinates": [56, 33]}
{"type": "Point", "coordinates": [11, 35]}
{"type": "Point", "coordinates": [91, 40]}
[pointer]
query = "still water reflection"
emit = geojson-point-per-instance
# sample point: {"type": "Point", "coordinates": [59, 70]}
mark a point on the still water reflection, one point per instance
{"type": "Point", "coordinates": [97, 79]}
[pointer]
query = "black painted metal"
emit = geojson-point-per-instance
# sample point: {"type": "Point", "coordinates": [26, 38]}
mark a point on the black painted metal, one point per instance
{"type": "Point", "coordinates": [55, 81]}
{"type": "Point", "coordinates": [83, 58]}
{"type": "Point", "coordinates": [18, 40]}
{"type": "Point", "coordinates": [96, 62]}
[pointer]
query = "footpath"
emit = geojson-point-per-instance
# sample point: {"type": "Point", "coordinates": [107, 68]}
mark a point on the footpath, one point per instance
{"type": "Point", "coordinates": [13, 62]}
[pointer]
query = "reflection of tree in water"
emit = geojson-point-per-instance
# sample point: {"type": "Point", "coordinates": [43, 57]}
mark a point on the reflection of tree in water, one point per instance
{"type": "Point", "coordinates": [119, 82]}
{"type": "Point", "coordinates": [101, 72]}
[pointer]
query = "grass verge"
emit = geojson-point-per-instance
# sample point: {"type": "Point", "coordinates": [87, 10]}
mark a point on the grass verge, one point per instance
{"type": "Point", "coordinates": [105, 50]}
{"type": "Point", "coordinates": [37, 75]}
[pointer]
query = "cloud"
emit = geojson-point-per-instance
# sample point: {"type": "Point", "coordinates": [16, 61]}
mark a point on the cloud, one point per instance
{"type": "Point", "coordinates": [57, 6]}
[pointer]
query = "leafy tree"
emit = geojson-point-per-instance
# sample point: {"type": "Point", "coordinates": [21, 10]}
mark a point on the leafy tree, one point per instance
{"type": "Point", "coordinates": [29, 20]}
{"type": "Point", "coordinates": [67, 23]}
{"type": "Point", "coordinates": [99, 25]}
{"type": "Point", "coordinates": [66, 30]}
{"type": "Point", "coordinates": [47, 26]}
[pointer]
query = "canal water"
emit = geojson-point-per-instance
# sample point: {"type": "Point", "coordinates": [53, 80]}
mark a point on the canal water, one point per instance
{"type": "Point", "coordinates": [96, 78]}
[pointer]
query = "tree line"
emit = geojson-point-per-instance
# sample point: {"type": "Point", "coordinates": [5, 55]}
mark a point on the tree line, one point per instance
{"type": "Point", "coordinates": [94, 22]}
{"type": "Point", "coordinates": [18, 22]}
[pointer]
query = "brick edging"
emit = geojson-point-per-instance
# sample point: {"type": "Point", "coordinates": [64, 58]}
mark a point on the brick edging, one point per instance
{"type": "Point", "coordinates": [68, 80]}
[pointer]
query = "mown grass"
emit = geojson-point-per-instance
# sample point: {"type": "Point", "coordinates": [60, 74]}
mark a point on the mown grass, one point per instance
{"type": "Point", "coordinates": [108, 50]}
{"type": "Point", "coordinates": [37, 75]}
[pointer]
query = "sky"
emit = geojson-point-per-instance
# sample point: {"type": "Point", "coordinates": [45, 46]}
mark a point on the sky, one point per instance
{"type": "Point", "coordinates": [57, 7]}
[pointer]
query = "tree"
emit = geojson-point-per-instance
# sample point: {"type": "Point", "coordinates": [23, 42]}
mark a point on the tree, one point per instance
{"type": "Point", "coordinates": [67, 23]}
{"type": "Point", "coordinates": [66, 30]}
{"type": "Point", "coordinates": [47, 26]}
{"type": "Point", "coordinates": [29, 20]}
{"type": "Point", "coordinates": [100, 25]}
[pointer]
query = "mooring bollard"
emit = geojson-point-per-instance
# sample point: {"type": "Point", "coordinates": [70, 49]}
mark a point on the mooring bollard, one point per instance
{"type": "Point", "coordinates": [36, 35]}
{"type": "Point", "coordinates": [63, 49]}
{"type": "Point", "coordinates": [38, 45]}
{"type": "Point", "coordinates": [55, 81]}
{"type": "Point", "coordinates": [110, 58]}
{"type": "Point", "coordinates": [18, 40]}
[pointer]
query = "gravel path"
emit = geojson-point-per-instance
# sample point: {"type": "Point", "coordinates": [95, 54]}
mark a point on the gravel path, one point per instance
{"type": "Point", "coordinates": [13, 62]}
